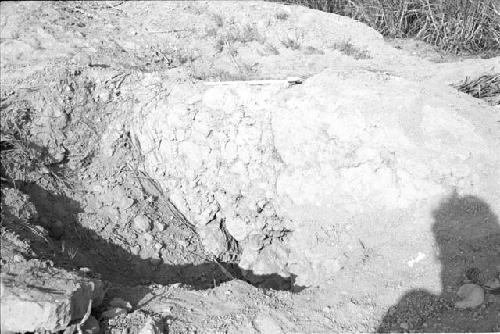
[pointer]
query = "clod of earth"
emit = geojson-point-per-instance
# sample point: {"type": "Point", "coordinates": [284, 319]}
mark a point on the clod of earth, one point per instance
{"type": "Point", "coordinates": [52, 306]}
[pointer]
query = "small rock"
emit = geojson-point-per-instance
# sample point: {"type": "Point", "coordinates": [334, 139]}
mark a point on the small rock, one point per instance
{"type": "Point", "coordinates": [135, 250]}
{"type": "Point", "coordinates": [97, 188]}
{"type": "Point", "coordinates": [238, 228]}
{"type": "Point", "coordinates": [472, 296]}
{"type": "Point", "coordinates": [404, 325]}
{"type": "Point", "coordinates": [148, 238]}
{"type": "Point", "coordinates": [160, 226]}
{"type": "Point", "coordinates": [213, 239]}
{"type": "Point", "coordinates": [125, 202]}
{"type": "Point", "coordinates": [17, 258]}
{"type": "Point", "coordinates": [91, 326]}
{"type": "Point", "coordinates": [113, 312]}
{"type": "Point", "coordinates": [59, 156]}
{"type": "Point", "coordinates": [50, 306]}
{"type": "Point", "coordinates": [121, 303]}
{"type": "Point", "coordinates": [142, 223]}
{"type": "Point", "coordinates": [145, 253]}
{"type": "Point", "coordinates": [112, 213]}
{"type": "Point", "coordinates": [150, 327]}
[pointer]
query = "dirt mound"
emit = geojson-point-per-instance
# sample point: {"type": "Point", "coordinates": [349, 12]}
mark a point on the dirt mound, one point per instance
{"type": "Point", "coordinates": [274, 167]}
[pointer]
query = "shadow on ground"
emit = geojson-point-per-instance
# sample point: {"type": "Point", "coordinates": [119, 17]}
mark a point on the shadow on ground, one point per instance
{"type": "Point", "coordinates": [467, 234]}
{"type": "Point", "coordinates": [116, 264]}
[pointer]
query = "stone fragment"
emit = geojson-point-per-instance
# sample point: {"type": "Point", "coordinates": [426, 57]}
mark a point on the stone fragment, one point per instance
{"type": "Point", "coordinates": [160, 226]}
{"type": "Point", "coordinates": [59, 156]}
{"type": "Point", "coordinates": [472, 296]}
{"type": "Point", "coordinates": [142, 223]}
{"type": "Point", "coordinates": [238, 229]}
{"type": "Point", "coordinates": [213, 239]}
{"type": "Point", "coordinates": [148, 238]}
{"type": "Point", "coordinates": [263, 323]}
{"type": "Point", "coordinates": [125, 203]}
{"type": "Point", "coordinates": [17, 258]}
{"type": "Point", "coordinates": [208, 214]}
{"type": "Point", "coordinates": [120, 198]}
{"type": "Point", "coordinates": [135, 250]}
{"type": "Point", "coordinates": [150, 327]}
{"type": "Point", "coordinates": [112, 213]}
{"type": "Point", "coordinates": [28, 307]}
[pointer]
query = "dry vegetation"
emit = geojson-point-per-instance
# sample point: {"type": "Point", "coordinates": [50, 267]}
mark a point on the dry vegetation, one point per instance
{"type": "Point", "coordinates": [453, 25]}
{"type": "Point", "coordinates": [485, 87]}
{"type": "Point", "coordinates": [347, 48]}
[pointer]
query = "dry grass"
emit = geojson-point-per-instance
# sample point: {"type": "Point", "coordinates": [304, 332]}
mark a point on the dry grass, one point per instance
{"type": "Point", "coordinates": [293, 40]}
{"type": "Point", "coordinates": [19, 157]}
{"type": "Point", "coordinates": [453, 25]}
{"type": "Point", "coordinates": [238, 33]}
{"type": "Point", "coordinates": [485, 87]}
{"type": "Point", "coordinates": [349, 49]}
{"type": "Point", "coordinates": [219, 20]}
{"type": "Point", "coordinates": [283, 16]}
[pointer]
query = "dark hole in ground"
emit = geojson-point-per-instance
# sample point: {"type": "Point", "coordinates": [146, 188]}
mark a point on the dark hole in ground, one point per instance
{"type": "Point", "coordinates": [116, 264]}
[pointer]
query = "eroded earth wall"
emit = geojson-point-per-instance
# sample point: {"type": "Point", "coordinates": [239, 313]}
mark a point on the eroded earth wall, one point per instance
{"type": "Point", "coordinates": [272, 165]}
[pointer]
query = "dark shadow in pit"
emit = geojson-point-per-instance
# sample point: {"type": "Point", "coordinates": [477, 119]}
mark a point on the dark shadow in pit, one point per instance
{"type": "Point", "coordinates": [114, 263]}
{"type": "Point", "coordinates": [467, 234]}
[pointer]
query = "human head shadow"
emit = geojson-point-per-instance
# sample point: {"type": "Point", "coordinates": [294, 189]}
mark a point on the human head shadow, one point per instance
{"type": "Point", "coordinates": [467, 235]}
{"type": "Point", "coordinates": [114, 263]}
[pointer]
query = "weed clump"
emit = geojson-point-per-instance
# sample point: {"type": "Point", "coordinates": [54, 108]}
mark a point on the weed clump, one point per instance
{"type": "Point", "coordinates": [238, 33]}
{"type": "Point", "coordinates": [485, 87]}
{"type": "Point", "coordinates": [455, 26]}
{"type": "Point", "coordinates": [282, 16]}
{"type": "Point", "coordinates": [293, 40]}
{"type": "Point", "coordinates": [349, 49]}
